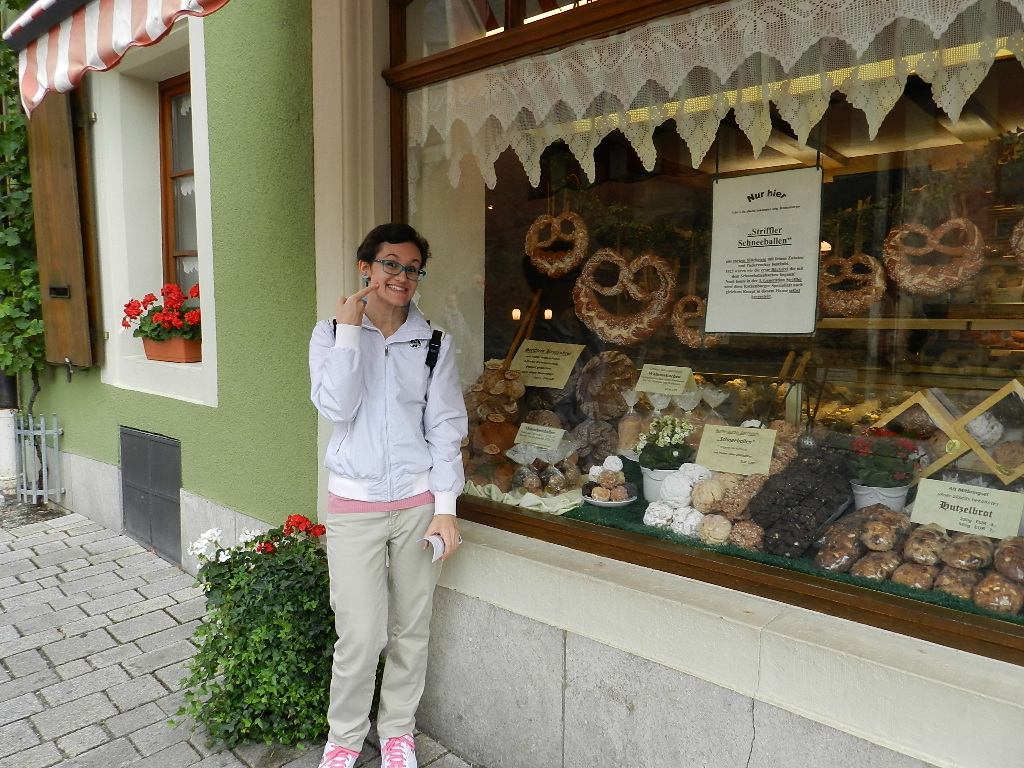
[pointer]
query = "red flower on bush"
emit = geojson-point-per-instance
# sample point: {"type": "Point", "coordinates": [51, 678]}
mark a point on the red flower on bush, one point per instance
{"type": "Point", "coordinates": [163, 321]}
{"type": "Point", "coordinates": [317, 530]}
{"type": "Point", "coordinates": [265, 547]}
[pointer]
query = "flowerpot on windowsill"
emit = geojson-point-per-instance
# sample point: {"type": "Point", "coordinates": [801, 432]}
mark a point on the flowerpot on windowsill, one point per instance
{"type": "Point", "coordinates": [174, 350]}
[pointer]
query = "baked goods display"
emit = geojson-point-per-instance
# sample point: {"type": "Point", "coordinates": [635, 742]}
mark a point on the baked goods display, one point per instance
{"type": "Point", "coordinates": [843, 290]}
{"type": "Point", "coordinates": [553, 249]}
{"type": "Point", "coordinates": [956, 250]}
{"type": "Point", "coordinates": [691, 335]}
{"type": "Point", "coordinates": [625, 329]}
{"type": "Point", "coordinates": [602, 381]}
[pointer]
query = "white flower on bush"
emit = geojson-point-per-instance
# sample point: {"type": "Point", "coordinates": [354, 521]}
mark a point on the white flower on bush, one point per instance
{"type": "Point", "coordinates": [247, 536]}
{"type": "Point", "coordinates": [201, 548]}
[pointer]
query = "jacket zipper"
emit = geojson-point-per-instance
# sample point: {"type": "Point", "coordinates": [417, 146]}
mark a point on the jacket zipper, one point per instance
{"type": "Point", "coordinates": [387, 424]}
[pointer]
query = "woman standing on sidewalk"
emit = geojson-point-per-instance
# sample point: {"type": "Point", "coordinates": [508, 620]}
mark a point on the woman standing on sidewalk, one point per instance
{"type": "Point", "coordinates": [395, 473]}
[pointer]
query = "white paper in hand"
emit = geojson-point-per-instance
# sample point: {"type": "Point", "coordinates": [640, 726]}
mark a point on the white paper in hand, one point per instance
{"type": "Point", "coordinates": [437, 543]}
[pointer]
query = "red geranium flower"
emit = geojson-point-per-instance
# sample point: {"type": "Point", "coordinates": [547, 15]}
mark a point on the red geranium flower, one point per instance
{"type": "Point", "coordinates": [317, 530]}
{"type": "Point", "coordinates": [265, 547]}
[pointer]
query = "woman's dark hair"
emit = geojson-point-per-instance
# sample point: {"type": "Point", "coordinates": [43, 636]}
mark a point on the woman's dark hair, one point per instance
{"type": "Point", "coordinates": [392, 233]}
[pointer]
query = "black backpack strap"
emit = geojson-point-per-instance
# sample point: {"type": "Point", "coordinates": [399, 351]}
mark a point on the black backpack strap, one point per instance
{"type": "Point", "coordinates": [434, 348]}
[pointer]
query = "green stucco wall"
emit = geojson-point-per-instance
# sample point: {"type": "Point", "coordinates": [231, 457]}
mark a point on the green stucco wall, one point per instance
{"type": "Point", "coordinates": [256, 452]}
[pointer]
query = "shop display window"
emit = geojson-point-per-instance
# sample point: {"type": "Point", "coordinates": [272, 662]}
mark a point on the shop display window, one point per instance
{"type": "Point", "coordinates": [582, 298]}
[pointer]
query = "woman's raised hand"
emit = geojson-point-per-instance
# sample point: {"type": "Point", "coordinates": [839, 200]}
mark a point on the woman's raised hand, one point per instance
{"type": "Point", "coordinates": [349, 311]}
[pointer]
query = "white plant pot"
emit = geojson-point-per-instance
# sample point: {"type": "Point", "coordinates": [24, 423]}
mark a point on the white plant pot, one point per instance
{"type": "Point", "coordinates": [653, 479]}
{"type": "Point", "coordinates": [866, 495]}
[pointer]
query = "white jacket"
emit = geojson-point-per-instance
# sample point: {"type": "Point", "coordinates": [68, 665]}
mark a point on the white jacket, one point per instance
{"type": "Point", "coordinates": [398, 429]}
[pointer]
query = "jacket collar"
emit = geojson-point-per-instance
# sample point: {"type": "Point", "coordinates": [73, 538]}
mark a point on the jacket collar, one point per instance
{"type": "Point", "coordinates": [414, 327]}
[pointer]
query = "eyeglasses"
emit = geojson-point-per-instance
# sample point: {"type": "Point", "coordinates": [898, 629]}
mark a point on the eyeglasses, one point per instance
{"type": "Point", "coordinates": [394, 268]}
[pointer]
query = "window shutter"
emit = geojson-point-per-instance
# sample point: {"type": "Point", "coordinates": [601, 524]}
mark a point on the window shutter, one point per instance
{"type": "Point", "coordinates": [58, 228]}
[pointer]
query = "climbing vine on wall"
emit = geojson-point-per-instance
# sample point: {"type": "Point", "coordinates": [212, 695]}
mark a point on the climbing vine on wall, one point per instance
{"type": "Point", "coordinates": [21, 324]}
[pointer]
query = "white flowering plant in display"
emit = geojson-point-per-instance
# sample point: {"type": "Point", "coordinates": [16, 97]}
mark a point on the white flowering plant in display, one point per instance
{"type": "Point", "coordinates": [663, 445]}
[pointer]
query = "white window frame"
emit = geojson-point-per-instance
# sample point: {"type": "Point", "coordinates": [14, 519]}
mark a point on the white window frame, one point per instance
{"type": "Point", "coordinates": [126, 150]}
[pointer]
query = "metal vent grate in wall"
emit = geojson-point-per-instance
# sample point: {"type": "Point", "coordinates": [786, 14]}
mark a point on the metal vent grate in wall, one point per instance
{"type": "Point", "coordinates": [150, 491]}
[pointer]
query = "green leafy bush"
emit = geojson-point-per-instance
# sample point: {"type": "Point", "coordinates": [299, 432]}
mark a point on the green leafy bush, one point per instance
{"type": "Point", "coordinates": [263, 667]}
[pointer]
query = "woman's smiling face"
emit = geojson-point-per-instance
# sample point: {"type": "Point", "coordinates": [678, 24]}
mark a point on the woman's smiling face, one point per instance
{"type": "Point", "coordinates": [396, 290]}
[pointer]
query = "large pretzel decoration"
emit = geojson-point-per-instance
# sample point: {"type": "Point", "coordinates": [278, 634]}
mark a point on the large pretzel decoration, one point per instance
{"type": "Point", "coordinates": [965, 260]}
{"type": "Point", "coordinates": [690, 336]}
{"type": "Point", "coordinates": [624, 329]}
{"type": "Point", "coordinates": [559, 252]}
{"type": "Point", "coordinates": [835, 270]}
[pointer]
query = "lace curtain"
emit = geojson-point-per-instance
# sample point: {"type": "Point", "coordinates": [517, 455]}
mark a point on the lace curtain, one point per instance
{"type": "Point", "coordinates": [742, 55]}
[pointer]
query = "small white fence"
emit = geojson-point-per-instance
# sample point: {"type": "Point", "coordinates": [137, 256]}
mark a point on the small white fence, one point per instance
{"type": "Point", "coordinates": [39, 476]}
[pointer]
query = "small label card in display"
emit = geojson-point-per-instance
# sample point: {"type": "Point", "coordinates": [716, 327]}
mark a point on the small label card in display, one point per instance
{"type": "Point", "coordinates": [545, 363]}
{"type": "Point", "coordinates": [665, 379]}
{"type": "Point", "coordinates": [740, 450]}
{"type": "Point", "coordinates": [968, 508]}
{"type": "Point", "coordinates": [541, 437]}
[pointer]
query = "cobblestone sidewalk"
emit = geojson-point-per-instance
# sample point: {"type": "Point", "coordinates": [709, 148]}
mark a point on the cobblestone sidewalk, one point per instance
{"type": "Point", "coordinates": [94, 636]}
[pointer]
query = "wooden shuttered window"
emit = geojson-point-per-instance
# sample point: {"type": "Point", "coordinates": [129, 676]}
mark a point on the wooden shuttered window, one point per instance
{"type": "Point", "coordinates": [68, 304]}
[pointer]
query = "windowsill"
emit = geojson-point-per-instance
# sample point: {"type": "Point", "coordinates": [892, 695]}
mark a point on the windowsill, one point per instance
{"type": "Point", "coordinates": [179, 381]}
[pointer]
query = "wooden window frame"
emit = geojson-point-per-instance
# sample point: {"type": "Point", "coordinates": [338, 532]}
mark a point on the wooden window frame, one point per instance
{"type": "Point", "coordinates": [979, 635]}
{"type": "Point", "coordinates": [169, 90]}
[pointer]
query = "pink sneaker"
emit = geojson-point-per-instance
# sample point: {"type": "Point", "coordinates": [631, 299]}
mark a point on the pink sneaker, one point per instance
{"type": "Point", "coordinates": [337, 757]}
{"type": "Point", "coordinates": [398, 752]}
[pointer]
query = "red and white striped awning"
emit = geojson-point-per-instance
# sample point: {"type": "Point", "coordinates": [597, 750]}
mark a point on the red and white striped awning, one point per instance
{"type": "Point", "coordinates": [58, 41]}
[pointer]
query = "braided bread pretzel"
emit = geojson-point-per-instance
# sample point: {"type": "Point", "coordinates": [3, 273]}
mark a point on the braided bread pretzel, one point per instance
{"type": "Point", "coordinates": [544, 255]}
{"type": "Point", "coordinates": [624, 329]}
{"type": "Point", "coordinates": [931, 280]}
{"type": "Point", "coordinates": [692, 337]}
{"type": "Point", "coordinates": [846, 303]}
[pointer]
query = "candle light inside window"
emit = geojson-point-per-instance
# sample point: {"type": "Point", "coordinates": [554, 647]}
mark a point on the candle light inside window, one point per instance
{"type": "Point", "coordinates": [516, 314]}
{"type": "Point", "coordinates": [547, 314]}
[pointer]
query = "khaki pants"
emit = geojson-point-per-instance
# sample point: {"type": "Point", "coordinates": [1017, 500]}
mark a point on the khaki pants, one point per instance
{"type": "Point", "coordinates": [377, 566]}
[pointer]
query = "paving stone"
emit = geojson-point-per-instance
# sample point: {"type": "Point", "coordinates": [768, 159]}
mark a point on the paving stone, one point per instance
{"type": "Point", "coordinates": [140, 607]}
{"type": "Point", "coordinates": [135, 719]}
{"type": "Point", "coordinates": [106, 545]}
{"type": "Point", "coordinates": [39, 574]}
{"type": "Point", "coordinates": [8, 633]}
{"type": "Point", "coordinates": [15, 567]}
{"type": "Point", "coordinates": [135, 692]}
{"type": "Point", "coordinates": [13, 555]}
{"type": "Point", "coordinates": [115, 754]}
{"type": "Point", "coordinates": [311, 760]}
{"type": "Point", "coordinates": [79, 646]}
{"type": "Point", "coordinates": [5, 676]}
{"type": "Point", "coordinates": [223, 760]}
{"type": "Point", "coordinates": [73, 669]}
{"type": "Point", "coordinates": [167, 586]}
{"type": "Point", "coordinates": [172, 704]}
{"type": "Point", "coordinates": [92, 583]}
{"type": "Point", "coordinates": [82, 740]}
{"type": "Point", "coordinates": [26, 531]}
{"type": "Point", "coordinates": [26, 662]}
{"type": "Point", "coordinates": [171, 676]}
{"type": "Point", "coordinates": [40, 756]}
{"type": "Point", "coordinates": [86, 534]}
{"type": "Point", "coordinates": [115, 655]}
{"type": "Point", "coordinates": [10, 581]}
{"type": "Point", "coordinates": [188, 610]}
{"type": "Point", "coordinates": [158, 736]}
{"type": "Point", "coordinates": [84, 573]}
{"type": "Point", "coordinates": [9, 595]}
{"type": "Point", "coordinates": [140, 560]}
{"type": "Point", "coordinates": [74, 565]}
{"type": "Point", "coordinates": [64, 556]}
{"type": "Point", "coordinates": [267, 755]}
{"type": "Point", "coordinates": [49, 581]}
{"type": "Point", "coordinates": [30, 542]}
{"type": "Point", "coordinates": [49, 546]}
{"type": "Point", "coordinates": [27, 684]}
{"type": "Point", "coordinates": [20, 707]}
{"type": "Point", "coordinates": [175, 633]}
{"type": "Point", "coordinates": [65, 718]}
{"type": "Point", "coordinates": [84, 685]}
{"type": "Point", "coordinates": [180, 754]}
{"type": "Point", "coordinates": [110, 589]}
{"type": "Point", "coordinates": [160, 574]}
{"type": "Point", "coordinates": [189, 593]}
{"type": "Point", "coordinates": [160, 658]}
{"type": "Point", "coordinates": [35, 640]}
{"type": "Point", "coordinates": [49, 619]}
{"type": "Point", "coordinates": [84, 625]}
{"type": "Point", "coordinates": [113, 555]}
{"type": "Point", "coordinates": [147, 624]}
{"type": "Point", "coordinates": [38, 594]}
{"type": "Point", "coordinates": [112, 602]}
{"type": "Point", "coordinates": [68, 600]}
{"type": "Point", "coordinates": [16, 737]}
